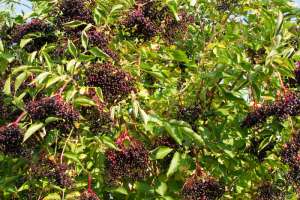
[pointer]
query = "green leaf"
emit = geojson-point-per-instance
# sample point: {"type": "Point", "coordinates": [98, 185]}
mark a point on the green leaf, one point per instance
{"type": "Point", "coordinates": [32, 129]}
{"type": "Point", "coordinates": [41, 77]}
{"type": "Point", "coordinates": [174, 165]}
{"type": "Point", "coordinates": [160, 152]}
{"type": "Point", "coordinates": [173, 132]}
{"type": "Point", "coordinates": [48, 60]}
{"type": "Point", "coordinates": [98, 52]}
{"type": "Point", "coordinates": [52, 196]}
{"type": "Point", "coordinates": [53, 80]}
{"type": "Point", "coordinates": [74, 24]}
{"type": "Point", "coordinates": [72, 48]}
{"type": "Point", "coordinates": [144, 115]}
{"type": "Point", "coordinates": [7, 86]}
{"type": "Point", "coordinates": [20, 79]}
{"type": "Point", "coordinates": [84, 101]}
{"type": "Point", "coordinates": [32, 56]}
{"type": "Point", "coordinates": [1, 46]}
{"type": "Point", "coordinates": [24, 42]}
{"type": "Point", "coordinates": [120, 190]}
{"type": "Point", "coordinates": [84, 40]}
{"type": "Point", "coordinates": [279, 23]}
{"type": "Point", "coordinates": [109, 142]}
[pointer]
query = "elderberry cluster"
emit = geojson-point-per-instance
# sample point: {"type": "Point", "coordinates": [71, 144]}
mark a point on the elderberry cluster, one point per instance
{"type": "Point", "coordinates": [88, 195]}
{"type": "Point", "coordinates": [11, 140]}
{"type": "Point", "coordinates": [71, 10]}
{"type": "Point", "coordinates": [52, 169]}
{"type": "Point", "coordinates": [225, 5]}
{"type": "Point", "coordinates": [51, 106]}
{"type": "Point", "coordinates": [174, 29]}
{"type": "Point", "coordinates": [98, 39]}
{"type": "Point", "coordinates": [190, 114]}
{"type": "Point", "coordinates": [140, 26]}
{"type": "Point", "coordinates": [196, 188]}
{"type": "Point", "coordinates": [130, 163]}
{"type": "Point", "coordinates": [260, 154]}
{"type": "Point", "coordinates": [115, 83]}
{"type": "Point", "coordinates": [268, 191]}
{"type": "Point", "coordinates": [290, 156]}
{"type": "Point", "coordinates": [35, 25]}
{"type": "Point", "coordinates": [99, 120]}
{"type": "Point", "coordinates": [289, 105]}
{"type": "Point", "coordinates": [295, 81]}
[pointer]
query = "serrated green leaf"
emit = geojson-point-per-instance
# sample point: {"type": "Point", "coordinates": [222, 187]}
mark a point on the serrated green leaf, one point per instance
{"type": "Point", "coordinates": [24, 42]}
{"type": "Point", "coordinates": [160, 152]}
{"type": "Point", "coordinates": [72, 48]}
{"type": "Point", "coordinates": [52, 196]}
{"type": "Point", "coordinates": [7, 86]}
{"type": "Point", "coordinates": [84, 40]}
{"type": "Point", "coordinates": [20, 79]}
{"type": "Point", "coordinates": [74, 24]}
{"type": "Point", "coordinates": [109, 142]}
{"type": "Point", "coordinates": [41, 77]}
{"type": "Point", "coordinates": [98, 52]}
{"type": "Point", "coordinates": [84, 101]}
{"type": "Point", "coordinates": [173, 132]}
{"type": "Point", "coordinates": [53, 80]}
{"type": "Point", "coordinates": [120, 190]}
{"type": "Point", "coordinates": [32, 129]}
{"type": "Point", "coordinates": [174, 165]}
{"type": "Point", "coordinates": [1, 46]}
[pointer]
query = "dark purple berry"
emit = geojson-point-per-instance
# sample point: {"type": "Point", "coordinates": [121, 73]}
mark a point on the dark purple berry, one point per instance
{"type": "Point", "coordinates": [140, 26]}
{"type": "Point", "coordinates": [11, 140]}
{"type": "Point", "coordinates": [202, 188]}
{"type": "Point", "coordinates": [88, 195]}
{"type": "Point", "coordinates": [267, 191]}
{"type": "Point", "coordinates": [175, 30]}
{"type": "Point", "coordinates": [115, 83]}
{"type": "Point", "coordinates": [130, 163]}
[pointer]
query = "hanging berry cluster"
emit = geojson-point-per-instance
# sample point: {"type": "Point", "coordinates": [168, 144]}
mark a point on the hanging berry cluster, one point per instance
{"type": "Point", "coordinates": [147, 20]}
{"type": "Point", "coordinates": [290, 156]}
{"type": "Point", "coordinates": [115, 83]}
{"type": "Point", "coordinates": [288, 105]}
{"type": "Point", "coordinates": [201, 186]}
{"type": "Point", "coordinates": [11, 140]}
{"type": "Point", "coordinates": [268, 191]}
{"type": "Point", "coordinates": [52, 169]}
{"type": "Point", "coordinates": [34, 26]}
{"type": "Point", "coordinates": [130, 163]}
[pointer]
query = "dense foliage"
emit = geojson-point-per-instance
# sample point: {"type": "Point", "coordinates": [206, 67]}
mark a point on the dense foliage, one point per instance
{"type": "Point", "coordinates": [163, 99]}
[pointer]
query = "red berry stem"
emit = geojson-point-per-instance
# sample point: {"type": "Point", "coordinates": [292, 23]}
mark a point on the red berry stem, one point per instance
{"type": "Point", "coordinates": [90, 183]}
{"type": "Point", "coordinates": [16, 122]}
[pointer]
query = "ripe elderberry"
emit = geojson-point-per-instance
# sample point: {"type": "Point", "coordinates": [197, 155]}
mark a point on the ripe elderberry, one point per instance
{"type": "Point", "coordinates": [174, 29]}
{"type": "Point", "coordinates": [115, 83]}
{"type": "Point", "coordinates": [52, 169]}
{"type": "Point", "coordinates": [51, 106]}
{"type": "Point", "coordinates": [260, 154]}
{"type": "Point", "coordinates": [130, 163]}
{"type": "Point", "coordinates": [99, 120]}
{"type": "Point", "coordinates": [268, 191]}
{"type": "Point", "coordinates": [35, 25]}
{"type": "Point", "coordinates": [88, 195]}
{"type": "Point", "coordinates": [11, 140]}
{"type": "Point", "coordinates": [202, 187]}
{"type": "Point", "coordinates": [289, 105]}
{"type": "Point", "coordinates": [289, 152]}
{"type": "Point", "coordinates": [98, 39]}
{"type": "Point", "coordinates": [190, 114]}
{"type": "Point", "coordinates": [139, 25]}
{"type": "Point", "coordinates": [71, 10]}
